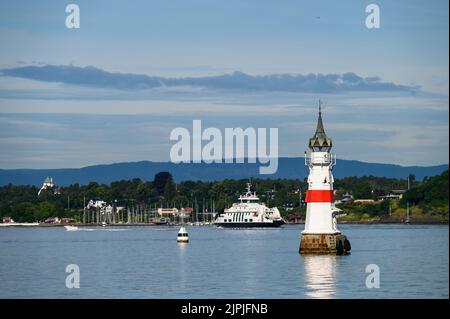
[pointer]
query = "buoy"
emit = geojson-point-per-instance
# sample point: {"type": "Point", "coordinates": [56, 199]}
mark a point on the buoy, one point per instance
{"type": "Point", "coordinates": [182, 235]}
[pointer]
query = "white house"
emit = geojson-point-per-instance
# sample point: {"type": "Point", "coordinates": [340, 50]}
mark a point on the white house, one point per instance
{"type": "Point", "coordinates": [48, 183]}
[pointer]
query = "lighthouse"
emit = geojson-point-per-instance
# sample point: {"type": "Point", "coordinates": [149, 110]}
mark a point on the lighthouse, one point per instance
{"type": "Point", "coordinates": [321, 234]}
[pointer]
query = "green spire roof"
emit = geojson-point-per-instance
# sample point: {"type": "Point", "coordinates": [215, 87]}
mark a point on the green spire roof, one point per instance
{"type": "Point", "coordinates": [320, 142]}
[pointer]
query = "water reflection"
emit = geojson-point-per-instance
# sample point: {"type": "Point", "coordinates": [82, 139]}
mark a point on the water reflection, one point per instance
{"type": "Point", "coordinates": [182, 271]}
{"type": "Point", "coordinates": [320, 275]}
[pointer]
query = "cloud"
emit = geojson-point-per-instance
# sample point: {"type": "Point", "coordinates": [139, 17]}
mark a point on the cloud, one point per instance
{"type": "Point", "coordinates": [310, 83]}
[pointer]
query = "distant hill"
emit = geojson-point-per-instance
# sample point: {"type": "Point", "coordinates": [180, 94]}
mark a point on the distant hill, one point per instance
{"type": "Point", "coordinates": [146, 170]}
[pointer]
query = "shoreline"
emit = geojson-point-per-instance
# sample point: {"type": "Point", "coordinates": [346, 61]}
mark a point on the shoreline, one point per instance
{"type": "Point", "coordinates": [411, 222]}
{"type": "Point", "coordinates": [80, 225]}
{"type": "Point", "coordinates": [392, 221]}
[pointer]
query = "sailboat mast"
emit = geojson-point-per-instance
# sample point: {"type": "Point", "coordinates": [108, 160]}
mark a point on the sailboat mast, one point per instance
{"type": "Point", "coordinates": [407, 201]}
{"type": "Point", "coordinates": [407, 210]}
{"type": "Point", "coordinates": [84, 209]}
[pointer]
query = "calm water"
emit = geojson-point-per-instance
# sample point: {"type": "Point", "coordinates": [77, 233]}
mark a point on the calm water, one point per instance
{"type": "Point", "coordinates": [146, 262]}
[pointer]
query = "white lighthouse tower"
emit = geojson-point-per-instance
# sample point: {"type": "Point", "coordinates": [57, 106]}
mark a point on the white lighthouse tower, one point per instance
{"type": "Point", "coordinates": [321, 234]}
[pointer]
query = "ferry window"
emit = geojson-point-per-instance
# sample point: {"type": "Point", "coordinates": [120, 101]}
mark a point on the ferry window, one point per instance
{"type": "Point", "coordinates": [245, 220]}
{"type": "Point", "coordinates": [251, 220]}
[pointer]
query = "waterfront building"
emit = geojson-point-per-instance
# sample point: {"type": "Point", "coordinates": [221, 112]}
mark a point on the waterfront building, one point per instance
{"type": "Point", "coordinates": [7, 220]}
{"type": "Point", "coordinates": [167, 212]}
{"type": "Point", "coordinates": [394, 194]}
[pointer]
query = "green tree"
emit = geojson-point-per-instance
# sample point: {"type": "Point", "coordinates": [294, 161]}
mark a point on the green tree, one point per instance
{"type": "Point", "coordinates": [362, 191]}
{"type": "Point", "coordinates": [160, 181]}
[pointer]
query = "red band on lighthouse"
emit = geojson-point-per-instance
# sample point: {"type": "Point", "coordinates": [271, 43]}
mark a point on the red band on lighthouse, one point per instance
{"type": "Point", "coordinates": [319, 196]}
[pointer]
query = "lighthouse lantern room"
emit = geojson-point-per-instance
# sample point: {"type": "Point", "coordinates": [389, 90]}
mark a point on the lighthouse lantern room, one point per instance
{"type": "Point", "coordinates": [321, 234]}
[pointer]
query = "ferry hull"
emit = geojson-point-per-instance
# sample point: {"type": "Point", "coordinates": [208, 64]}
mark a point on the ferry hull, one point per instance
{"type": "Point", "coordinates": [275, 224]}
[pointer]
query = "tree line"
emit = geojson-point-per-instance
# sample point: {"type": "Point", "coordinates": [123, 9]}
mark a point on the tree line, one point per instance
{"type": "Point", "coordinates": [24, 205]}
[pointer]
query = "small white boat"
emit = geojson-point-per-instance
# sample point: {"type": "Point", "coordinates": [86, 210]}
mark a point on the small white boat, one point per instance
{"type": "Point", "coordinates": [103, 224]}
{"type": "Point", "coordinates": [71, 228]}
{"type": "Point", "coordinates": [182, 235]}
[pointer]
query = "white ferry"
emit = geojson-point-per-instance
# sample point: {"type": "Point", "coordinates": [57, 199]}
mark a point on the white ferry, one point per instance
{"type": "Point", "coordinates": [249, 212]}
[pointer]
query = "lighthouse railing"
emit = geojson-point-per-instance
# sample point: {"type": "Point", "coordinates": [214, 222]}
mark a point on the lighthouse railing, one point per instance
{"type": "Point", "coordinates": [332, 159]}
{"type": "Point", "coordinates": [320, 158]}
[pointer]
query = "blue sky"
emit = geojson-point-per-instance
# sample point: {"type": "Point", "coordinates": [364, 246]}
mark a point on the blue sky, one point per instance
{"type": "Point", "coordinates": [67, 124]}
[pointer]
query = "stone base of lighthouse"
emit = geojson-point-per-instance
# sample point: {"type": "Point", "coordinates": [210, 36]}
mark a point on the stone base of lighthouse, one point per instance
{"type": "Point", "coordinates": [337, 244]}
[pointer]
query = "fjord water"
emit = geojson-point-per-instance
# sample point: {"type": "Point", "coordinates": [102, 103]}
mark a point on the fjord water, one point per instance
{"type": "Point", "coordinates": [147, 262]}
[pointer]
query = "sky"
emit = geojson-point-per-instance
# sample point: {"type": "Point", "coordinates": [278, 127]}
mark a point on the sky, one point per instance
{"type": "Point", "coordinates": [114, 89]}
